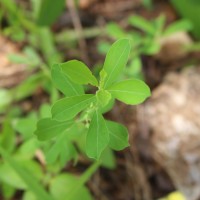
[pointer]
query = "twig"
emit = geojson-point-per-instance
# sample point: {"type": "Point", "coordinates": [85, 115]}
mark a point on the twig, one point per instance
{"type": "Point", "coordinates": [78, 29]}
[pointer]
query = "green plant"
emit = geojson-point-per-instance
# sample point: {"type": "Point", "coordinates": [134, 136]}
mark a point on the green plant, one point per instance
{"type": "Point", "coordinates": [73, 126]}
{"type": "Point", "coordinates": [19, 170]}
{"type": "Point", "coordinates": [189, 10]}
{"type": "Point", "coordinates": [145, 36]}
{"type": "Point", "coordinates": [85, 111]}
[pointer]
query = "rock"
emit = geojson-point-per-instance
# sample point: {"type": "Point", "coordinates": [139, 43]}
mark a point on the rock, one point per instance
{"type": "Point", "coordinates": [173, 118]}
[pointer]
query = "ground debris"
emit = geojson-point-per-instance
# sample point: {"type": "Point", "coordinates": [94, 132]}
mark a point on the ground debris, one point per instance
{"type": "Point", "coordinates": [10, 74]}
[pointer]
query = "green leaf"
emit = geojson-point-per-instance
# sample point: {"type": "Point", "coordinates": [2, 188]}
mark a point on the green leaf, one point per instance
{"type": "Point", "coordinates": [159, 24]}
{"type": "Point", "coordinates": [29, 196]}
{"type": "Point", "coordinates": [103, 97]}
{"type": "Point", "coordinates": [108, 107]}
{"type": "Point", "coordinates": [61, 151]}
{"type": "Point", "coordinates": [48, 128]}
{"type": "Point", "coordinates": [47, 46]}
{"type": "Point", "coordinates": [50, 11]}
{"type": "Point", "coordinates": [6, 99]}
{"type": "Point", "coordinates": [181, 25]}
{"type": "Point", "coordinates": [118, 135]}
{"type": "Point", "coordinates": [148, 4]}
{"type": "Point", "coordinates": [28, 148]}
{"type": "Point", "coordinates": [26, 125]}
{"type": "Point", "coordinates": [131, 91]}
{"type": "Point", "coordinates": [116, 60]}
{"type": "Point", "coordinates": [7, 136]}
{"type": "Point", "coordinates": [135, 68]}
{"type": "Point", "coordinates": [62, 184]}
{"type": "Point", "coordinates": [151, 48]}
{"type": "Point", "coordinates": [103, 47]}
{"type": "Point", "coordinates": [115, 31]}
{"type": "Point", "coordinates": [78, 72]}
{"type": "Point", "coordinates": [63, 83]}
{"type": "Point", "coordinates": [10, 177]}
{"type": "Point", "coordinates": [18, 58]}
{"type": "Point", "coordinates": [189, 10]}
{"type": "Point", "coordinates": [141, 23]}
{"type": "Point", "coordinates": [103, 76]}
{"type": "Point", "coordinates": [108, 159]}
{"type": "Point", "coordinates": [67, 108]}
{"type": "Point", "coordinates": [82, 180]}
{"type": "Point", "coordinates": [27, 177]}
{"type": "Point", "coordinates": [28, 86]}
{"type": "Point", "coordinates": [97, 137]}
{"type": "Point", "coordinates": [45, 111]}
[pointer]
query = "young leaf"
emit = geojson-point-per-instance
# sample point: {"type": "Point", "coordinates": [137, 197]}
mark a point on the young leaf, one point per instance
{"type": "Point", "coordinates": [118, 135]}
{"type": "Point", "coordinates": [78, 72]}
{"type": "Point", "coordinates": [48, 128]}
{"type": "Point", "coordinates": [131, 91]}
{"type": "Point", "coordinates": [97, 137]}
{"type": "Point", "coordinates": [103, 76]}
{"type": "Point", "coordinates": [116, 60]}
{"type": "Point", "coordinates": [69, 107]}
{"type": "Point", "coordinates": [103, 97]}
{"type": "Point", "coordinates": [63, 83]}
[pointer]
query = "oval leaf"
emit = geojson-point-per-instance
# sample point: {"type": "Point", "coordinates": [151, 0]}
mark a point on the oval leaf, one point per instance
{"type": "Point", "coordinates": [131, 91]}
{"type": "Point", "coordinates": [78, 72]}
{"type": "Point", "coordinates": [63, 83]}
{"type": "Point", "coordinates": [48, 128]}
{"type": "Point", "coordinates": [116, 60]}
{"type": "Point", "coordinates": [97, 137]}
{"type": "Point", "coordinates": [69, 107]}
{"type": "Point", "coordinates": [118, 136]}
